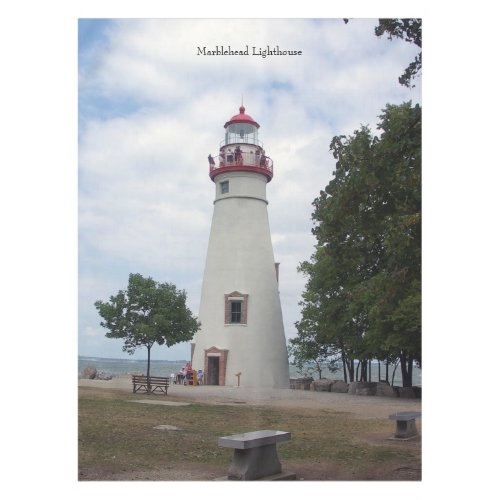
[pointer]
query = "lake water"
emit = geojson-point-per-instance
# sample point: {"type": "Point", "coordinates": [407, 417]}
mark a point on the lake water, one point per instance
{"type": "Point", "coordinates": [160, 368]}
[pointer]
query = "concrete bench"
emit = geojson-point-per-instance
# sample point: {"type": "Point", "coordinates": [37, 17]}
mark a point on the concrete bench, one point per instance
{"type": "Point", "coordinates": [406, 427]}
{"type": "Point", "coordinates": [255, 455]}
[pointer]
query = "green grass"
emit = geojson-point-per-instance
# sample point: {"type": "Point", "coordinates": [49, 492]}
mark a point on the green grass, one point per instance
{"type": "Point", "coordinates": [116, 433]}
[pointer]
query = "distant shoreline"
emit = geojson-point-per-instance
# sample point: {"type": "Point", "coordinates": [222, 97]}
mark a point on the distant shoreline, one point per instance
{"type": "Point", "coordinates": [117, 367]}
{"type": "Point", "coordinates": [141, 360]}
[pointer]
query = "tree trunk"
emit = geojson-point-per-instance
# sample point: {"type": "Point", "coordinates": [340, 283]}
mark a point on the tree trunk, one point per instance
{"type": "Point", "coordinates": [363, 374]}
{"type": "Point", "coordinates": [351, 370]}
{"type": "Point", "coordinates": [378, 361]}
{"type": "Point", "coordinates": [344, 366]}
{"type": "Point", "coordinates": [406, 369]}
{"type": "Point", "coordinates": [387, 370]}
{"type": "Point", "coordinates": [394, 372]}
{"type": "Point", "coordinates": [369, 370]}
{"type": "Point", "coordinates": [149, 359]}
{"type": "Point", "coordinates": [364, 370]}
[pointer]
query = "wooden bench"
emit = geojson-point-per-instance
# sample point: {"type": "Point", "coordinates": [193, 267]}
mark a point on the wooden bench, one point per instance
{"type": "Point", "coordinates": [142, 383]}
{"type": "Point", "coordinates": [406, 427]}
{"type": "Point", "coordinates": [255, 455]}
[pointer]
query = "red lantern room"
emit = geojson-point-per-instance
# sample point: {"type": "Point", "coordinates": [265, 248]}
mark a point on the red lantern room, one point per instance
{"type": "Point", "coordinates": [241, 149]}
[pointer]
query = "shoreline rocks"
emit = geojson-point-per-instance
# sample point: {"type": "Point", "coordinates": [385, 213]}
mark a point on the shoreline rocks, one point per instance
{"type": "Point", "coordinates": [303, 384]}
{"type": "Point", "coordinates": [382, 389]}
{"type": "Point", "coordinates": [91, 373]}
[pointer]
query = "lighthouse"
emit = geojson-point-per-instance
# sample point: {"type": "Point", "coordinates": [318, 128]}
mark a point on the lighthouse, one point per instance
{"type": "Point", "coordinates": [241, 341]}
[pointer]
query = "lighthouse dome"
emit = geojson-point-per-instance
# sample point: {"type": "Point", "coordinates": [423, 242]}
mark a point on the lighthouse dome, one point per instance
{"type": "Point", "coordinates": [242, 117]}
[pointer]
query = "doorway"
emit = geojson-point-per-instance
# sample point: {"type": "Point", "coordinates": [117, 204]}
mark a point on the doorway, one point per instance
{"type": "Point", "coordinates": [213, 370]}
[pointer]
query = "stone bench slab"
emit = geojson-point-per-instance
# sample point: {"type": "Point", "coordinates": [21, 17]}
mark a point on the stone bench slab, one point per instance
{"type": "Point", "coordinates": [405, 415]}
{"type": "Point", "coordinates": [405, 424]}
{"type": "Point", "coordinates": [154, 402]}
{"type": "Point", "coordinates": [254, 439]}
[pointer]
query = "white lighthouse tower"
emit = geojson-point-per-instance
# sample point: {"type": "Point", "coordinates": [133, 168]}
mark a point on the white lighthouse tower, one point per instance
{"type": "Point", "coordinates": [242, 339]}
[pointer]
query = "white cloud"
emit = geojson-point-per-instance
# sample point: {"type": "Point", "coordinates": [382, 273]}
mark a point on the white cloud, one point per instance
{"type": "Point", "coordinates": [90, 331]}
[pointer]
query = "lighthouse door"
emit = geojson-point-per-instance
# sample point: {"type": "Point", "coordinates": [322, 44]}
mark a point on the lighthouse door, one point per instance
{"type": "Point", "coordinates": [213, 370]}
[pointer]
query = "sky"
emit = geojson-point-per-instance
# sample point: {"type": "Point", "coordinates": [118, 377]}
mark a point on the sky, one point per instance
{"type": "Point", "coordinates": [151, 109]}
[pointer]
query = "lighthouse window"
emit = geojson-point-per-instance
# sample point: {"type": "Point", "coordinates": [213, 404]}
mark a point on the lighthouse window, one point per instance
{"type": "Point", "coordinates": [235, 312]}
{"type": "Point", "coordinates": [224, 187]}
{"type": "Point", "coordinates": [235, 308]}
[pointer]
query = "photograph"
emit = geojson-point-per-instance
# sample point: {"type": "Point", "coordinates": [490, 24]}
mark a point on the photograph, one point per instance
{"type": "Point", "coordinates": [250, 249]}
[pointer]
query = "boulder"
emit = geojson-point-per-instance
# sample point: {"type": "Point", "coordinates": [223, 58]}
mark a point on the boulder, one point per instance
{"type": "Point", "coordinates": [371, 389]}
{"type": "Point", "coordinates": [322, 385]}
{"type": "Point", "coordinates": [384, 389]}
{"type": "Point", "coordinates": [410, 392]}
{"type": "Point", "coordinates": [339, 386]}
{"type": "Point", "coordinates": [89, 372]}
{"type": "Point", "coordinates": [366, 388]}
{"type": "Point", "coordinates": [303, 384]}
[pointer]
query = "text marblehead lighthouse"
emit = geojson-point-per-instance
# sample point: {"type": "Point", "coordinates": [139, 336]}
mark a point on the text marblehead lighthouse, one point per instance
{"type": "Point", "coordinates": [242, 336]}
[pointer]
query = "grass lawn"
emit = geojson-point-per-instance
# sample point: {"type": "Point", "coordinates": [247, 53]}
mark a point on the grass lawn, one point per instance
{"type": "Point", "coordinates": [117, 440]}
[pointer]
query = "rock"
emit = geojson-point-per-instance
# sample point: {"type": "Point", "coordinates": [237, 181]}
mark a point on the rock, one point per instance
{"type": "Point", "coordinates": [385, 390]}
{"type": "Point", "coordinates": [414, 392]}
{"type": "Point", "coordinates": [323, 385]}
{"type": "Point", "coordinates": [373, 389]}
{"type": "Point", "coordinates": [167, 428]}
{"type": "Point", "coordinates": [366, 388]}
{"type": "Point", "coordinates": [339, 386]}
{"type": "Point", "coordinates": [303, 384]}
{"type": "Point", "coordinates": [89, 372]}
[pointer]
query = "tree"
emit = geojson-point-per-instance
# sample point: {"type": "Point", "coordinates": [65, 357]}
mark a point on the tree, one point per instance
{"type": "Point", "coordinates": [147, 313]}
{"type": "Point", "coordinates": [364, 279]}
{"type": "Point", "coordinates": [409, 30]}
{"type": "Point", "coordinates": [306, 350]}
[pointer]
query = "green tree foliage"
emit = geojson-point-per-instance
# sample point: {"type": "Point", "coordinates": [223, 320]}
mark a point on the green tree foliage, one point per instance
{"type": "Point", "coordinates": [409, 30]}
{"type": "Point", "coordinates": [310, 356]}
{"type": "Point", "coordinates": [362, 297]}
{"type": "Point", "coordinates": [147, 313]}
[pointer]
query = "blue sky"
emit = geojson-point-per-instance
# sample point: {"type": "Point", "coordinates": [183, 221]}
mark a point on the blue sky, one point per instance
{"type": "Point", "coordinates": [150, 111]}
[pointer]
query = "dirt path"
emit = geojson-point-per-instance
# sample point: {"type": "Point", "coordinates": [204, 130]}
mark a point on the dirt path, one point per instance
{"type": "Point", "coordinates": [360, 406]}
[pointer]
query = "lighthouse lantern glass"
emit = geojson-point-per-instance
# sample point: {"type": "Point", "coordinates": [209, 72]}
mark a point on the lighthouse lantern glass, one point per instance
{"type": "Point", "coordinates": [245, 133]}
